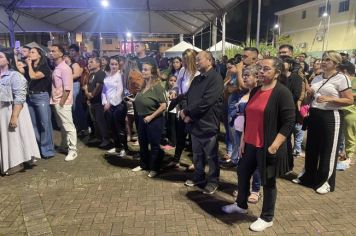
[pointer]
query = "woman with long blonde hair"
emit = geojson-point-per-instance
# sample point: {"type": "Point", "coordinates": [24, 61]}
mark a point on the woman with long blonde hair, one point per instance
{"type": "Point", "coordinates": [185, 77]}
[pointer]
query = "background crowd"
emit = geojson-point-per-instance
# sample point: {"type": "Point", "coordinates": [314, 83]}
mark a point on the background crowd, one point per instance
{"type": "Point", "coordinates": [265, 103]}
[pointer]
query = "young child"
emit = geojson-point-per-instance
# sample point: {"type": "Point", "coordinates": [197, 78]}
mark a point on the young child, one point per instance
{"type": "Point", "coordinates": [171, 116]}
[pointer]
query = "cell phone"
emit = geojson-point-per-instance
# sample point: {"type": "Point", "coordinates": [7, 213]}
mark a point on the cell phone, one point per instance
{"type": "Point", "coordinates": [17, 45]}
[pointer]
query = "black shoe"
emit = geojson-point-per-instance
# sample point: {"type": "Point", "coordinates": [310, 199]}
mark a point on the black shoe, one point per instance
{"type": "Point", "coordinates": [47, 157]}
{"type": "Point", "coordinates": [228, 165]}
{"type": "Point", "coordinates": [192, 183]}
{"type": "Point", "coordinates": [136, 155]}
{"type": "Point", "coordinates": [210, 188]}
{"type": "Point", "coordinates": [105, 144]}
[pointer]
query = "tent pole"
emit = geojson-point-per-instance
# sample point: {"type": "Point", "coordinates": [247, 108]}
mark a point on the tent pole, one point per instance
{"type": "Point", "coordinates": [193, 39]}
{"type": "Point", "coordinates": [248, 34]}
{"type": "Point", "coordinates": [201, 38]}
{"type": "Point", "coordinates": [223, 34]}
{"type": "Point", "coordinates": [258, 24]}
{"type": "Point", "coordinates": [11, 27]}
{"type": "Point", "coordinates": [215, 30]}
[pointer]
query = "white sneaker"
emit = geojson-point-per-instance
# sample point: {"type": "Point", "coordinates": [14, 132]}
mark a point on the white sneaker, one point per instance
{"type": "Point", "coordinates": [323, 189]}
{"type": "Point", "coordinates": [233, 208]}
{"type": "Point", "coordinates": [111, 151]}
{"type": "Point", "coordinates": [137, 168]}
{"type": "Point", "coordinates": [122, 153]}
{"type": "Point", "coordinates": [71, 156]}
{"type": "Point", "coordinates": [296, 181]}
{"type": "Point", "coordinates": [260, 225]}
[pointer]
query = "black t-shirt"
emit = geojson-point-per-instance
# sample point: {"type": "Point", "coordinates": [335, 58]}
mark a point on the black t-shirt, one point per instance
{"type": "Point", "coordinates": [39, 85]}
{"type": "Point", "coordinates": [96, 78]}
{"type": "Point", "coordinates": [148, 59]}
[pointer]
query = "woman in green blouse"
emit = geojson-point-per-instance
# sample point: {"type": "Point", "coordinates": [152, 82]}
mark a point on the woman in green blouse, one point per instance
{"type": "Point", "coordinates": [150, 104]}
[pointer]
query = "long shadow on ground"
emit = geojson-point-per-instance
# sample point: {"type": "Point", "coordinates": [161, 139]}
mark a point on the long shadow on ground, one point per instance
{"type": "Point", "coordinates": [127, 163]}
{"type": "Point", "coordinates": [212, 205]}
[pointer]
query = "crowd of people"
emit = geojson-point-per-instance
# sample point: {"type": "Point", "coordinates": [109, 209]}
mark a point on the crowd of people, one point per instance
{"type": "Point", "coordinates": [265, 103]}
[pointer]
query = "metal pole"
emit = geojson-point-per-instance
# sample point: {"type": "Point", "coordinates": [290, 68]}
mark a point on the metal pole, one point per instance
{"type": "Point", "coordinates": [201, 39]}
{"type": "Point", "coordinates": [258, 24]}
{"type": "Point", "coordinates": [223, 34]}
{"type": "Point", "coordinates": [214, 36]}
{"type": "Point", "coordinates": [193, 39]}
{"type": "Point", "coordinates": [209, 35]}
{"type": "Point", "coordinates": [181, 38]}
{"type": "Point", "coordinates": [11, 27]}
{"type": "Point", "coordinates": [248, 33]}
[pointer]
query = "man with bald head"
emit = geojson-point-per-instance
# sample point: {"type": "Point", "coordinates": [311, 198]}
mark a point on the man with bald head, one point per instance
{"type": "Point", "coordinates": [204, 106]}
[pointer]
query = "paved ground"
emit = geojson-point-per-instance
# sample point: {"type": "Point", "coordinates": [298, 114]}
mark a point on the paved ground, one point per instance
{"type": "Point", "coordinates": [94, 195]}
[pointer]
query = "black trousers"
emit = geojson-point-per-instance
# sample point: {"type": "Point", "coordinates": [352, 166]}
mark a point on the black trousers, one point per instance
{"type": "Point", "coordinates": [150, 134]}
{"type": "Point", "coordinates": [115, 118]}
{"type": "Point", "coordinates": [247, 166]}
{"type": "Point", "coordinates": [205, 150]}
{"type": "Point", "coordinates": [181, 135]}
{"type": "Point", "coordinates": [322, 148]}
{"type": "Point", "coordinates": [171, 126]}
{"type": "Point", "coordinates": [96, 111]}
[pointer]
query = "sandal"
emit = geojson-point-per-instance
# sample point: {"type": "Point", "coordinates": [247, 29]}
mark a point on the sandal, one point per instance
{"type": "Point", "coordinates": [254, 197]}
{"type": "Point", "coordinates": [190, 168]}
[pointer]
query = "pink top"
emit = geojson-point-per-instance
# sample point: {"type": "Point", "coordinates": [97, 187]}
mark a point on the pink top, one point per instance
{"type": "Point", "coordinates": [62, 79]}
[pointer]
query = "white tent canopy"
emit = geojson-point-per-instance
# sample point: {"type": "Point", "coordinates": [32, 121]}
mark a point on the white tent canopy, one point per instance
{"type": "Point", "coordinates": [218, 47]}
{"type": "Point", "coordinates": [136, 16]}
{"type": "Point", "coordinates": [178, 49]}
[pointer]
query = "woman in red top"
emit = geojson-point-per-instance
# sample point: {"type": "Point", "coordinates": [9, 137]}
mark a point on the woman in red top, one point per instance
{"type": "Point", "coordinates": [269, 119]}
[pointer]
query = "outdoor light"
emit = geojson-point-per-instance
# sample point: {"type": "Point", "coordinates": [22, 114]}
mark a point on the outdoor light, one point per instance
{"type": "Point", "coordinates": [276, 26]}
{"type": "Point", "coordinates": [101, 38]}
{"type": "Point", "coordinates": [104, 3]}
{"type": "Point", "coordinates": [325, 14]}
{"type": "Point", "coordinates": [128, 34]}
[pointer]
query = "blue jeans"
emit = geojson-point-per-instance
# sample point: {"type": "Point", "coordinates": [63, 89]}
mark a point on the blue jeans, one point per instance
{"type": "Point", "coordinates": [228, 142]}
{"type": "Point", "coordinates": [79, 117]}
{"type": "Point", "coordinates": [256, 181]}
{"type": "Point", "coordinates": [236, 145]}
{"type": "Point", "coordinates": [40, 111]}
{"type": "Point", "coordinates": [298, 137]}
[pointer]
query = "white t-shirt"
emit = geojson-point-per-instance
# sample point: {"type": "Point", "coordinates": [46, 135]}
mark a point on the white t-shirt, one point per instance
{"type": "Point", "coordinates": [338, 83]}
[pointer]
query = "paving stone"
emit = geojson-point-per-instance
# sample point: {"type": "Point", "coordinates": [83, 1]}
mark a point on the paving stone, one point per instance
{"type": "Point", "coordinates": [94, 195]}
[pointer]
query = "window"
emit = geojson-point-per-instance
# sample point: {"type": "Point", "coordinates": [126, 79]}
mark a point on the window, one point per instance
{"type": "Point", "coordinates": [322, 10]}
{"type": "Point", "coordinates": [108, 41]}
{"type": "Point", "coordinates": [344, 5]}
{"type": "Point", "coordinates": [304, 14]}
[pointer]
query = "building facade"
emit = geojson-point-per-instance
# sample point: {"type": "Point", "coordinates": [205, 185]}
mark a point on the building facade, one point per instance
{"type": "Point", "coordinates": [320, 25]}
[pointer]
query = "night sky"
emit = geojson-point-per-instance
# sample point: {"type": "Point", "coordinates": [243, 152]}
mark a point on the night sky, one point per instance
{"type": "Point", "coordinates": [236, 21]}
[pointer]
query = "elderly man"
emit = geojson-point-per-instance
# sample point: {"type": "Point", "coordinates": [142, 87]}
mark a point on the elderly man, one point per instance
{"type": "Point", "coordinates": [204, 101]}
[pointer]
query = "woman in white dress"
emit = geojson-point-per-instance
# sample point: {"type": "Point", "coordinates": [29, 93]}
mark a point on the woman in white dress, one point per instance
{"type": "Point", "coordinates": [17, 137]}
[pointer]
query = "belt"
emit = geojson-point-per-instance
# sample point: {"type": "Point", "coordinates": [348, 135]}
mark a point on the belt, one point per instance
{"type": "Point", "coordinates": [36, 92]}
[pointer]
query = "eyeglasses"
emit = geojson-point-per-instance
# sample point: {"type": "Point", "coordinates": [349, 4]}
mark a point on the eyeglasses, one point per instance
{"type": "Point", "coordinates": [264, 69]}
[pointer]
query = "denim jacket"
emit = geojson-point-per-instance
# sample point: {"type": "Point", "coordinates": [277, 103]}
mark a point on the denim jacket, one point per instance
{"type": "Point", "coordinates": [13, 87]}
